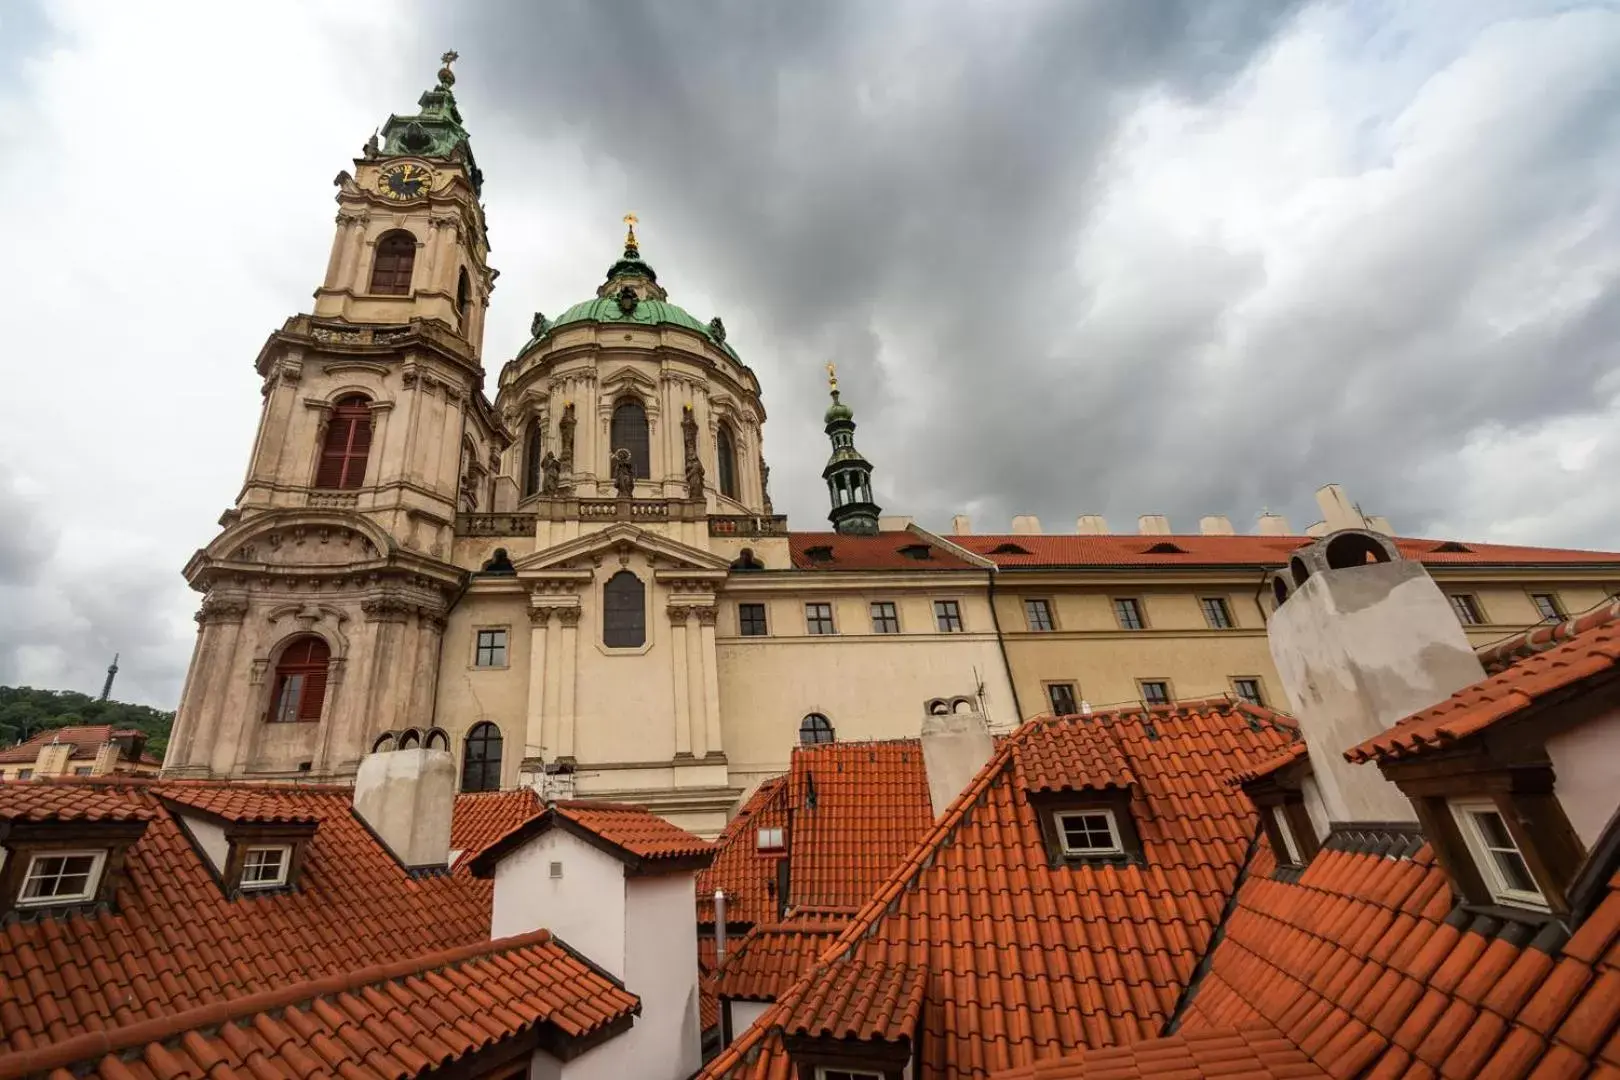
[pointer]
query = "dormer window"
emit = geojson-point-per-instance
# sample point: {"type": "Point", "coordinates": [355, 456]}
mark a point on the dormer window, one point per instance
{"type": "Point", "coordinates": [1086, 833]}
{"type": "Point", "coordinates": [1284, 792]}
{"type": "Point", "coordinates": [1501, 864]}
{"type": "Point", "coordinates": [64, 877]}
{"type": "Point", "coordinates": [917, 551]}
{"type": "Point", "coordinates": [819, 553]}
{"type": "Point", "coordinates": [771, 841]}
{"type": "Point", "coordinates": [266, 867]}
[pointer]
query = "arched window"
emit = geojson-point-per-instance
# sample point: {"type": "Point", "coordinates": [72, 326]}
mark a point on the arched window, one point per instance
{"type": "Point", "coordinates": [725, 454]}
{"type": "Point", "coordinates": [533, 450]}
{"type": "Point", "coordinates": [624, 612]}
{"type": "Point", "coordinates": [392, 266]}
{"type": "Point", "coordinates": [629, 432]}
{"type": "Point", "coordinates": [815, 729]}
{"type": "Point", "coordinates": [347, 445]}
{"type": "Point", "coordinates": [481, 763]}
{"type": "Point", "coordinates": [463, 297]}
{"type": "Point", "coordinates": [299, 688]}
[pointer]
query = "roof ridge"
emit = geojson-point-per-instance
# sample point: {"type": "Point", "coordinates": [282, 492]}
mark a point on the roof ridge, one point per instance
{"type": "Point", "coordinates": [217, 1014]}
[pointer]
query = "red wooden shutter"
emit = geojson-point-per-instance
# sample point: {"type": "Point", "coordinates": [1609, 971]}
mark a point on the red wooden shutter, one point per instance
{"type": "Point", "coordinates": [314, 695]}
{"type": "Point", "coordinates": [346, 447]}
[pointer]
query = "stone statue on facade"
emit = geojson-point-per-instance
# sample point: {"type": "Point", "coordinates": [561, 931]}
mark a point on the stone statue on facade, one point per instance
{"type": "Point", "coordinates": [538, 325]}
{"type": "Point", "coordinates": [550, 474]}
{"type": "Point", "coordinates": [717, 330]}
{"type": "Point", "coordinates": [694, 463]}
{"type": "Point", "coordinates": [624, 473]}
{"type": "Point", "coordinates": [765, 484]}
{"type": "Point", "coordinates": [372, 149]}
{"type": "Point", "coordinates": [565, 429]}
{"type": "Point", "coordinates": [694, 478]}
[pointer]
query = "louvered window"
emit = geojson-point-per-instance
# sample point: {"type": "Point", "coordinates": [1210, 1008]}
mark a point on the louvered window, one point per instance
{"type": "Point", "coordinates": [347, 445]}
{"type": "Point", "coordinates": [629, 432]}
{"type": "Point", "coordinates": [392, 266]}
{"type": "Point", "coordinates": [300, 684]}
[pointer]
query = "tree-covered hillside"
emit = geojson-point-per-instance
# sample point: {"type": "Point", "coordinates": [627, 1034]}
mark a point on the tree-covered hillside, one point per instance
{"type": "Point", "coordinates": [25, 712]}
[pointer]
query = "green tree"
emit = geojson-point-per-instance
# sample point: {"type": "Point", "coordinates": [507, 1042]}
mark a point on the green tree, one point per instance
{"type": "Point", "coordinates": [26, 711]}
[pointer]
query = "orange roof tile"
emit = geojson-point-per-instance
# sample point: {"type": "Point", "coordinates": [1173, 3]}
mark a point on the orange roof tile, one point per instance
{"type": "Point", "coordinates": [237, 802]}
{"type": "Point", "coordinates": [855, 809]}
{"type": "Point", "coordinates": [484, 817]}
{"type": "Point", "coordinates": [1026, 960]}
{"type": "Point", "coordinates": [633, 834]}
{"type": "Point", "coordinates": [85, 739]}
{"type": "Point", "coordinates": [747, 876]}
{"type": "Point", "coordinates": [771, 957]}
{"type": "Point", "coordinates": [74, 799]}
{"type": "Point", "coordinates": [1591, 653]}
{"type": "Point", "coordinates": [1089, 760]}
{"type": "Point", "coordinates": [1295, 753]}
{"type": "Point", "coordinates": [883, 551]}
{"type": "Point", "coordinates": [1123, 549]}
{"type": "Point", "coordinates": [397, 1019]}
{"type": "Point", "coordinates": [1540, 638]}
{"type": "Point", "coordinates": [1251, 1053]}
{"type": "Point", "coordinates": [854, 999]}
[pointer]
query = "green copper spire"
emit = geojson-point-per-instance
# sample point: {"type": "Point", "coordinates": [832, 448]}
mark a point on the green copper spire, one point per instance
{"type": "Point", "coordinates": [848, 474]}
{"type": "Point", "coordinates": [435, 131]}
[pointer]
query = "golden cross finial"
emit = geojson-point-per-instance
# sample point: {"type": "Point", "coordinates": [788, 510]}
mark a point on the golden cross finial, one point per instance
{"type": "Point", "coordinates": [832, 376]}
{"type": "Point", "coordinates": [450, 57]}
{"type": "Point", "coordinates": [630, 221]}
{"type": "Point", "coordinates": [447, 78]}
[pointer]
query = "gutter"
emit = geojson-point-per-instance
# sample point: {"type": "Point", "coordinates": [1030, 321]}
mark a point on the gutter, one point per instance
{"type": "Point", "coordinates": [1001, 643]}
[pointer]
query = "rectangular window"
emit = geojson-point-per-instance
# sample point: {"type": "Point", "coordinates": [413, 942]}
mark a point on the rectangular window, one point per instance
{"type": "Point", "coordinates": [1547, 607]}
{"type": "Point", "coordinates": [25, 774]}
{"type": "Point", "coordinates": [1248, 689]}
{"type": "Point", "coordinates": [265, 867]}
{"type": "Point", "coordinates": [62, 878]}
{"type": "Point", "coordinates": [1128, 612]}
{"type": "Point", "coordinates": [1216, 613]}
{"type": "Point", "coordinates": [1088, 832]}
{"type": "Point", "coordinates": [885, 617]}
{"type": "Point", "coordinates": [1500, 862]}
{"type": "Point", "coordinates": [1467, 609]}
{"type": "Point", "coordinates": [1038, 615]}
{"type": "Point", "coordinates": [83, 770]}
{"type": "Point", "coordinates": [1061, 695]}
{"type": "Point", "coordinates": [771, 840]}
{"type": "Point", "coordinates": [948, 616]}
{"type": "Point", "coordinates": [491, 649]}
{"type": "Point", "coordinates": [1279, 817]}
{"type": "Point", "coordinates": [1155, 691]}
{"type": "Point", "coordinates": [751, 620]}
{"type": "Point", "coordinates": [818, 619]}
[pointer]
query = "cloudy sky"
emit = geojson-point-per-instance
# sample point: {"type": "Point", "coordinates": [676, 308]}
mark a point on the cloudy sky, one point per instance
{"type": "Point", "coordinates": [1118, 257]}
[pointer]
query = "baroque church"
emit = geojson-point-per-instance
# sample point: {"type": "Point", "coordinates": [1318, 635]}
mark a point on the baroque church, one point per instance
{"type": "Point", "coordinates": [581, 586]}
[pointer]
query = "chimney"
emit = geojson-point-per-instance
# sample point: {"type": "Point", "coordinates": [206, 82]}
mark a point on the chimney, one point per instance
{"type": "Point", "coordinates": [961, 525]}
{"type": "Point", "coordinates": [1317, 529]}
{"type": "Point", "coordinates": [894, 523]}
{"type": "Point", "coordinates": [1361, 639]}
{"type": "Point", "coordinates": [407, 797]}
{"type": "Point", "coordinates": [1337, 509]}
{"type": "Point", "coordinates": [955, 747]}
{"type": "Point", "coordinates": [1153, 525]}
{"type": "Point", "coordinates": [1273, 524]}
{"type": "Point", "coordinates": [1026, 525]}
{"type": "Point", "coordinates": [719, 927]}
{"type": "Point", "coordinates": [1381, 524]}
{"type": "Point", "coordinates": [1215, 525]}
{"type": "Point", "coordinates": [1091, 525]}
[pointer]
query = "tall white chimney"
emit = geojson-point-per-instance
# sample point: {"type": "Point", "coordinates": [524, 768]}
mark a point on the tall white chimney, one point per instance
{"type": "Point", "coordinates": [1273, 525]}
{"type": "Point", "coordinates": [1091, 525]}
{"type": "Point", "coordinates": [408, 798]}
{"type": "Point", "coordinates": [1026, 525]}
{"type": "Point", "coordinates": [961, 525]}
{"type": "Point", "coordinates": [1337, 509]}
{"type": "Point", "coordinates": [1215, 525]}
{"type": "Point", "coordinates": [955, 747]}
{"type": "Point", "coordinates": [1153, 525]}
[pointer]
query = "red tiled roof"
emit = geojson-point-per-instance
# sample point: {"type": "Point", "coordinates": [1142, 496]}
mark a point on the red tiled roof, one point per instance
{"type": "Point", "coordinates": [855, 810]}
{"type": "Point", "coordinates": [770, 958]}
{"type": "Point", "coordinates": [85, 739]}
{"type": "Point", "coordinates": [173, 941]}
{"type": "Point", "coordinates": [239, 802]}
{"type": "Point", "coordinates": [630, 833]}
{"type": "Point", "coordinates": [1539, 639]}
{"type": "Point", "coordinates": [484, 817]}
{"type": "Point", "coordinates": [397, 1019]}
{"type": "Point", "coordinates": [1592, 653]}
{"type": "Point", "coordinates": [73, 799]}
{"type": "Point", "coordinates": [1119, 549]}
{"type": "Point", "coordinates": [1089, 760]}
{"type": "Point", "coordinates": [747, 877]}
{"type": "Point", "coordinates": [1026, 960]}
{"type": "Point", "coordinates": [1297, 752]}
{"type": "Point", "coordinates": [1251, 1053]}
{"type": "Point", "coordinates": [882, 551]}
{"type": "Point", "coordinates": [854, 999]}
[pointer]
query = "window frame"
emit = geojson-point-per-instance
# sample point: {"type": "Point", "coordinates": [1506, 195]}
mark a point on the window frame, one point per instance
{"type": "Point", "coordinates": [1137, 608]}
{"type": "Point", "coordinates": [1467, 608]}
{"type": "Point", "coordinates": [1225, 620]}
{"type": "Point", "coordinates": [1070, 688]}
{"type": "Point", "coordinates": [406, 242]}
{"type": "Point", "coordinates": [879, 620]}
{"type": "Point", "coordinates": [1142, 694]}
{"type": "Point", "coordinates": [1259, 699]}
{"type": "Point", "coordinates": [1557, 614]}
{"type": "Point", "coordinates": [98, 864]}
{"type": "Point", "coordinates": [748, 607]}
{"type": "Point", "coordinates": [641, 465]}
{"type": "Point", "coordinates": [812, 621]}
{"type": "Point", "coordinates": [1280, 819]}
{"type": "Point", "coordinates": [1117, 841]}
{"type": "Point", "coordinates": [343, 456]}
{"type": "Point", "coordinates": [641, 609]}
{"type": "Point", "coordinates": [725, 460]}
{"type": "Point", "coordinates": [1483, 854]}
{"type": "Point", "coordinates": [298, 675]}
{"type": "Point", "coordinates": [1048, 615]}
{"type": "Point", "coordinates": [281, 879]}
{"type": "Point", "coordinates": [947, 612]}
{"type": "Point", "coordinates": [505, 647]}
{"type": "Point", "coordinates": [805, 724]}
{"type": "Point", "coordinates": [770, 840]}
{"type": "Point", "coordinates": [484, 763]}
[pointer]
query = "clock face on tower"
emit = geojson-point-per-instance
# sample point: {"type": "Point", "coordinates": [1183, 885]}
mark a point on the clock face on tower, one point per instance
{"type": "Point", "coordinates": [405, 181]}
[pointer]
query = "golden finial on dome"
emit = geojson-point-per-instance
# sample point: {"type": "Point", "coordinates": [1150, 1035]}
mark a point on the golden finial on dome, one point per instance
{"type": "Point", "coordinates": [630, 246]}
{"type": "Point", "coordinates": [447, 78]}
{"type": "Point", "coordinates": [832, 376]}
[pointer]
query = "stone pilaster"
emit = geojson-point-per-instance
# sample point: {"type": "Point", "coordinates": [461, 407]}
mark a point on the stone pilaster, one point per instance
{"type": "Point", "coordinates": [569, 620]}
{"type": "Point", "coordinates": [536, 739]}
{"type": "Point", "coordinates": [711, 680]}
{"type": "Point", "coordinates": [679, 616]}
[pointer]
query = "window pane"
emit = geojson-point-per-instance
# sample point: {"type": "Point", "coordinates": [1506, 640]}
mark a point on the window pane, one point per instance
{"type": "Point", "coordinates": [481, 762]}
{"type": "Point", "coordinates": [1547, 607]}
{"type": "Point", "coordinates": [624, 612]}
{"type": "Point", "coordinates": [818, 618]}
{"type": "Point", "coordinates": [751, 620]}
{"type": "Point", "coordinates": [814, 729]}
{"type": "Point", "coordinates": [948, 615]}
{"type": "Point", "coordinates": [1062, 698]}
{"type": "Point", "coordinates": [885, 618]}
{"type": "Point", "coordinates": [628, 431]}
{"type": "Point", "coordinates": [1156, 693]}
{"type": "Point", "coordinates": [1087, 832]}
{"type": "Point", "coordinates": [1129, 614]}
{"type": "Point", "coordinates": [1248, 690]}
{"type": "Point", "coordinates": [491, 648]}
{"type": "Point", "coordinates": [292, 687]}
{"type": "Point", "coordinates": [58, 875]}
{"type": "Point", "coordinates": [263, 866]}
{"type": "Point", "coordinates": [1216, 613]}
{"type": "Point", "coordinates": [1038, 614]}
{"type": "Point", "coordinates": [1467, 610]}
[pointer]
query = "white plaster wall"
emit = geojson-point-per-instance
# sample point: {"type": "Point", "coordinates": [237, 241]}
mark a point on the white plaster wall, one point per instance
{"type": "Point", "coordinates": [211, 838]}
{"type": "Point", "coordinates": [1586, 762]}
{"type": "Point", "coordinates": [661, 967]}
{"type": "Point", "coordinates": [743, 1015]}
{"type": "Point", "coordinates": [585, 907]}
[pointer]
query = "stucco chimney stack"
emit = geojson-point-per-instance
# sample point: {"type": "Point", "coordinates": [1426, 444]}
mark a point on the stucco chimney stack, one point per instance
{"type": "Point", "coordinates": [407, 797]}
{"type": "Point", "coordinates": [1153, 525]}
{"type": "Point", "coordinates": [894, 523]}
{"type": "Point", "coordinates": [1362, 638]}
{"type": "Point", "coordinates": [1215, 525]}
{"type": "Point", "coordinates": [1091, 525]}
{"type": "Point", "coordinates": [955, 746]}
{"type": "Point", "coordinates": [1378, 523]}
{"type": "Point", "coordinates": [1026, 525]}
{"type": "Point", "coordinates": [1337, 509]}
{"type": "Point", "coordinates": [1273, 525]}
{"type": "Point", "coordinates": [961, 525]}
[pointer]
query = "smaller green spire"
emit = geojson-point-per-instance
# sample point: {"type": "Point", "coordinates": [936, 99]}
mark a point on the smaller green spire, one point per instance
{"type": "Point", "coordinates": [848, 474]}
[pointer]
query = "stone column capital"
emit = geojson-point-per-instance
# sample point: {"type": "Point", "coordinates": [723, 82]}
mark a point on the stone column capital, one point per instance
{"type": "Point", "coordinates": [568, 616]}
